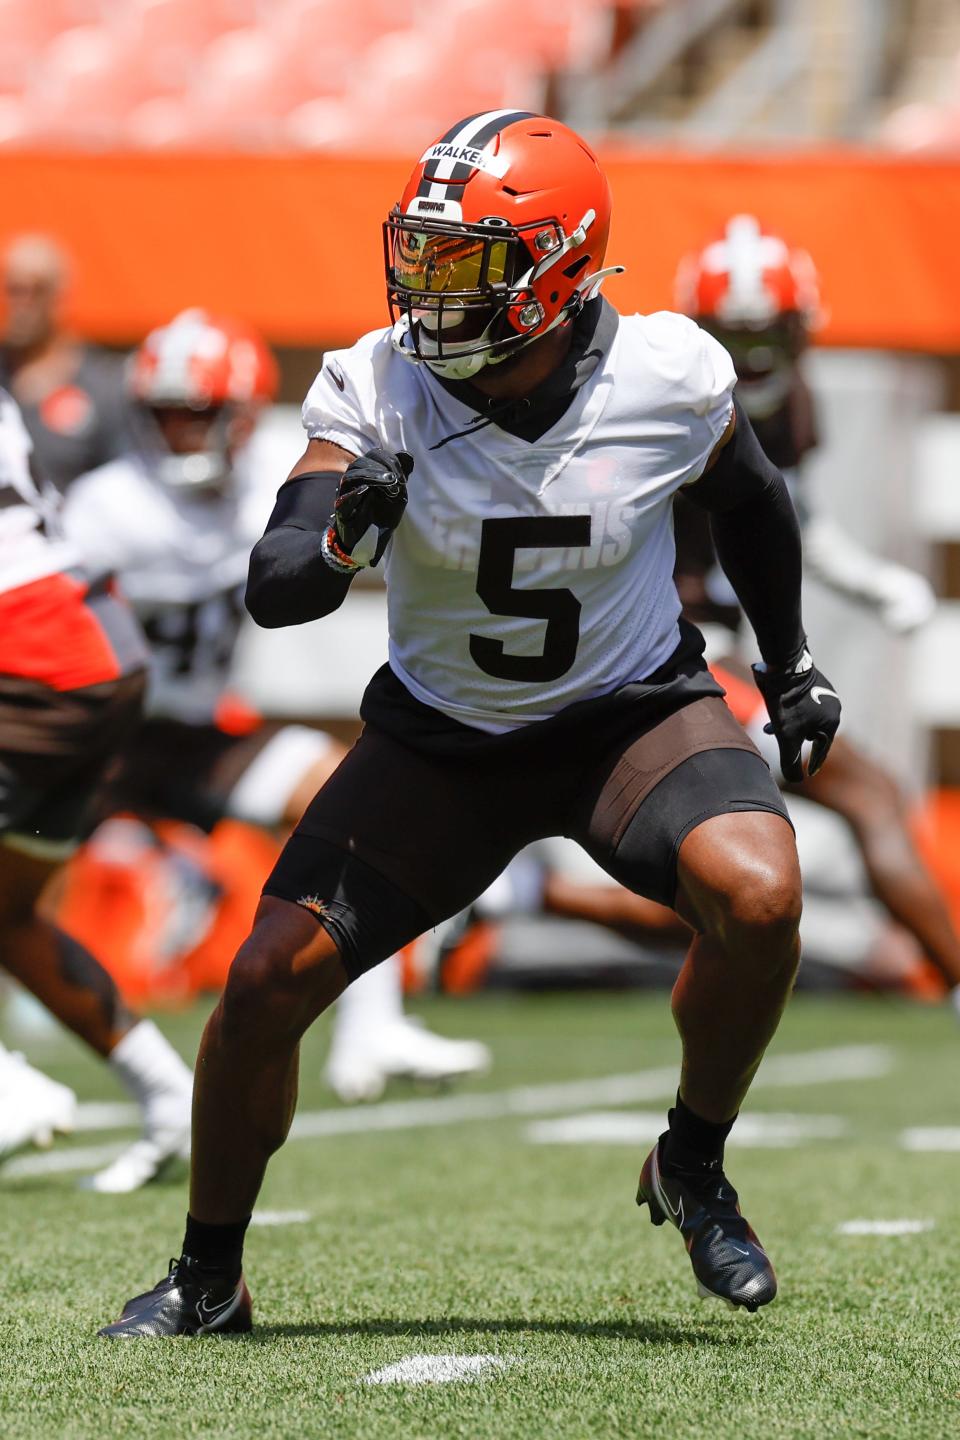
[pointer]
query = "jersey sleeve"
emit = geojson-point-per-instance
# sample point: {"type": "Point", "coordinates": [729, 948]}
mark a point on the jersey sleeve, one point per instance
{"type": "Point", "coordinates": [341, 403]}
{"type": "Point", "coordinates": [697, 379]}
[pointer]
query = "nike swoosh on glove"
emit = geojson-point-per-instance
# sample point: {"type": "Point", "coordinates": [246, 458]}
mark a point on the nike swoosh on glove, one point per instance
{"type": "Point", "coordinates": [372, 492]}
{"type": "Point", "coordinates": [802, 705]}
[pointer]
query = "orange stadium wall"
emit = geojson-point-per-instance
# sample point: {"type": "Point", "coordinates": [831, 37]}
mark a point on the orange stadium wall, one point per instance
{"type": "Point", "coordinates": [294, 242]}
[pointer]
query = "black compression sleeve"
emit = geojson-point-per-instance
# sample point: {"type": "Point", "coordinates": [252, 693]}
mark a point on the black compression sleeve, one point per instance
{"type": "Point", "coordinates": [757, 537]}
{"type": "Point", "coordinates": [289, 581]}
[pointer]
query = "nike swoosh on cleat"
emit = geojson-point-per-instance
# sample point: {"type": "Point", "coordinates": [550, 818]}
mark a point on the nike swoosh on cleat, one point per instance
{"type": "Point", "coordinates": [664, 1198]}
{"type": "Point", "coordinates": [739, 1251]}
{"type": "Point", "coordinates": [819, 690]}
{"type": "Point", "coordinates": [209, 1315]}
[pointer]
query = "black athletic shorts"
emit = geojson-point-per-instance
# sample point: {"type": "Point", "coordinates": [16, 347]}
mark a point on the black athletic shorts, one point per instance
{"type": "Point", "coordinates": [55, 747]}
{"type": "Point", "coordinates": [400, 838]}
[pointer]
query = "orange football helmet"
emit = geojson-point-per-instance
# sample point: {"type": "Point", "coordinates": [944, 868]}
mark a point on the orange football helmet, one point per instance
{"type": "Point", "coordinates": [498, 237]}
{"type": "Point", "coordinates": [759, 297]}
{"type": "Point", "coordinates": [748, 279]}
{"type": "Point", "coordinates": [205, 366]}
{"type": "Point", "coordinates": [200, 360]}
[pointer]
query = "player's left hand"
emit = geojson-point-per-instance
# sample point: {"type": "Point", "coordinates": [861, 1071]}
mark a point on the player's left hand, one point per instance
{"type": "Point", "coordinates": [802, 705]}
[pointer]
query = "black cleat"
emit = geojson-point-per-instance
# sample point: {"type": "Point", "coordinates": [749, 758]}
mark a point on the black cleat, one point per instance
{"type": "Point", "coordinates": [728, 1260]}
{"type": "Point", "coordinates": [185, 1303]}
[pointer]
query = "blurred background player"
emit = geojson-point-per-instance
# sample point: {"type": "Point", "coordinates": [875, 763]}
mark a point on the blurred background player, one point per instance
{"type": "Point", "coordinates": [759, 298]}
{"type": "Point", "coordinates": [71, 687]}
{"type": "Point", "coordinates": [175, 518]}
{"type": "Point", "coordinates": [70, 394]}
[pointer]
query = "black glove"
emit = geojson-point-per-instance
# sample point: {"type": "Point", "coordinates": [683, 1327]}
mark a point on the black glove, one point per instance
{"type": "Point", "coordinates": [802, 705]}
{"type": "Point", "coordinates": [372, 491]}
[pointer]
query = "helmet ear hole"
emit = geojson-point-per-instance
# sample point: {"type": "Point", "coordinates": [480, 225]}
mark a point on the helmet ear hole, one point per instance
{"type": "Point", "coordinates": [572, 271]}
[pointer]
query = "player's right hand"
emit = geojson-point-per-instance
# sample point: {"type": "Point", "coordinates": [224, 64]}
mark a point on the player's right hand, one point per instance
{"type": "Point", "coordinates": [371, 497]}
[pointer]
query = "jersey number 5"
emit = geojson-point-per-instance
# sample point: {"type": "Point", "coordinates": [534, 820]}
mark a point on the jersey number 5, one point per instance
{"type": "Point", "coordinates": [499, 542]}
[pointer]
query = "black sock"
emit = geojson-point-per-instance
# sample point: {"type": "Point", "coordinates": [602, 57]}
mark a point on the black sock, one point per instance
{"type": "Point", "coordinates": [693, 1141]}
{"type": "Point", "coordinates": [217, 1248]}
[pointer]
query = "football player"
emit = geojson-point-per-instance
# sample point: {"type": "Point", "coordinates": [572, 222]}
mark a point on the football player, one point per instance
{"type": "Point", "coordinates": [70, 394]}
{"type": "Point", "coordinates": [71, 685]}
{"type": "Point", "coordinates": [513, 445]}
{"type": "Point", "coordinates": [175, 518]}
{"type": "Point", "coordinates": [759, 297]}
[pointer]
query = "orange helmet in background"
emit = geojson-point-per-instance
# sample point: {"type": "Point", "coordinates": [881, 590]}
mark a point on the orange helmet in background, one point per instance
{"type": "Point", "coordinates": [748, 280]}
{"type": "Point", "coordinates": [211, 366]}
{"type": "Point", "coordinates": [759, 297]}
{"type": "Point", "coordinates": [499, 236]}
{"type": "Point", "coordinates": [200, 360]}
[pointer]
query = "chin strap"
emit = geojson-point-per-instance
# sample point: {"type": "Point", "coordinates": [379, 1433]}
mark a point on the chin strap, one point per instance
{"type": "Point", "coordinates": [592, 285]}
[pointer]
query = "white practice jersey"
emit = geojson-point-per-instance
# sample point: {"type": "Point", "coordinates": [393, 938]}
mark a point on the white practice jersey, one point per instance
{"type": "Point", "coordinates": [181, 556]}
{"type": "Point", "coordinates": [526, 576]}
{"type": "Point", "coordinates": [31, 544]}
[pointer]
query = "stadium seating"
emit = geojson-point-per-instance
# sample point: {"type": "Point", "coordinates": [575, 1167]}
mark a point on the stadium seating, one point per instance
{"type": "Point", "coordinates": [239, 90]}
{"type": "Point", "coordinates": [255, 74]}
{"type": "Point", "coordinates": [82, 89]}
{"type": "Point", "coordinates": [920, 127]}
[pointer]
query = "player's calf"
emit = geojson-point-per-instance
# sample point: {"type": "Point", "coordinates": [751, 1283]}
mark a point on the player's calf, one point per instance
{"type": "Point", "coordinates": [244, 1097]}
{"type": "Point", "coordinates": [739, 878]}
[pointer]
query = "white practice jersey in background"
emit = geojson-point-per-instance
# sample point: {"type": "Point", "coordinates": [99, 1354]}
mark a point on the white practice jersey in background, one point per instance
{"type": "Point", "coordinates": [31, 545]}
{"type": "Point", "coordinates": [181, 556]}
{"type": "Point", "coordinates": [527, 576]}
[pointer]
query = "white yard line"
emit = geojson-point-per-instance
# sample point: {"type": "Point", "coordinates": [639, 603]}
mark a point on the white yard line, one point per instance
{"type": "Point", "coordinates": [436, 1369]}
{"type": "Point", "coordinates": [54, 1162]}
{"type": "Point", "coordinates": [280, 1217]}
{"type": "Point", "coordinates": [884, 1227]}
{"type": "Point", "coordinates": [108, 1115]}
{"type": "Point", "coordinates": [808, 1067]}
{"type": "Point", "coordinates": [931, 1137]}
{"type": "Point", "coordinates": [633, 1127]}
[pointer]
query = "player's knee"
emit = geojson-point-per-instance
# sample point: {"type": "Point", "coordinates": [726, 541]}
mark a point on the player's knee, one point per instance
{"type": "Point", "coordinates": [247, 989]}
{"type": "Point", "coordinates": [259, 998]}
{"type": "Point", "coordinates": [277, 984]}
{"type": "Point", "coordinates": [761, 904]}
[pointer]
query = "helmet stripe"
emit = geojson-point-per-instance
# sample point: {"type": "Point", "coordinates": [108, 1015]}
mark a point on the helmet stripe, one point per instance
{"type": "Point", "coordinates": [476, 131]}
{"type": "Point", "coordinates": [447, 139]}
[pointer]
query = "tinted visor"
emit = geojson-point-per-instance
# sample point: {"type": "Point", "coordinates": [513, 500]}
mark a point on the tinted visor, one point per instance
{"type": "Point", "coordinates": [432, 262]}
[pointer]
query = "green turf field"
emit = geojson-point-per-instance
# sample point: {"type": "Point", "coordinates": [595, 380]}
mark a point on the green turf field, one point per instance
{"type": "Point", "coordinates": [459, 1236]}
